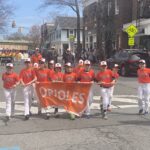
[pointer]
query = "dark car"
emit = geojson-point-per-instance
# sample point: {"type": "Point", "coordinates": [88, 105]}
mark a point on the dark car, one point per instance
{"type": "Point", "coordinates": [128, 60]}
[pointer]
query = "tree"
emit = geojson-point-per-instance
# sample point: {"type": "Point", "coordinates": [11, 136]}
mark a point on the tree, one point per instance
{"type": "Point", "coordinates": [75, 6]}
{"type": "Point", "coordinates": [16, 36]}
{"type": "Point", "coordinates": [35, 36]}
{"type": "Point", "coordinates": [5, 13]}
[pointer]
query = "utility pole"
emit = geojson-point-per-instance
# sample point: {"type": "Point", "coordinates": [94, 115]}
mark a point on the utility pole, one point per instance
{"type": "Point", "coordinates": [99, 49]}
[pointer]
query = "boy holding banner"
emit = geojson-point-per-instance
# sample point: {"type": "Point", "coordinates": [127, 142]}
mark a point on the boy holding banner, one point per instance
{"type": "Point", "coordinates": [86, 76]}
{"type": "Point", "coordinates": [27, 78]}
{"type": "Point", "coordinates": [57, 76]}
{"type": "Point", "coordinates": [69, 77]}
{"type": "Point", "coordinates": [106, 80]}
{"type": "Point", "coordinates": [42, 76]}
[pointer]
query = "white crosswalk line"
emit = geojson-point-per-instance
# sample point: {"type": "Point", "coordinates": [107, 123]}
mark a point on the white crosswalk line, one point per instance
{"type": "Point", "coordinates": [131, 99]}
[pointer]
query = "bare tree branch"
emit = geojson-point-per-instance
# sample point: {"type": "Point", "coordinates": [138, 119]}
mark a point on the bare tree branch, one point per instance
{"type": "Point", "coordinates": [5, 13]}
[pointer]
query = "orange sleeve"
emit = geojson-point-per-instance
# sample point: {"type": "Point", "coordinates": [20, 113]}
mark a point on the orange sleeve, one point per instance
{"type": "Point", "coordinates": [17, 77]}
{"type": "Point", "coordinates": [20, 75]}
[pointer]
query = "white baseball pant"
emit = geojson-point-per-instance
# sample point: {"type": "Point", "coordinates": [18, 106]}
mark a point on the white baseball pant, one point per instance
{"type": "Point", "coordinates": [27, 93]}
{"type": "Point", "coordinates": [10, 95]}
{"type": "Point", "coordinates": [143, 96]}
{"type": "Point", "coordinates": [111, 95]}
{"type": "Point", "coordinates": [105, 94]}
{"type": "Point", "coordinates": [89, 102]}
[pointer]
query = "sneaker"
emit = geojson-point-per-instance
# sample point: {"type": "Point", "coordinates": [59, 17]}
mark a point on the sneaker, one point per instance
{"type": "Point", "coordinates": [87, 116]}
{"type": "Point", "coordinates": [7, 118]}
{"type": "Point", "coordinates": [101, 108]}
{"type": "Point", "coordinates": [146, 112]}
{"type": "Point", "coordinates": [140, 111]}
{"type": "Point", "coordinates": [39, 112]}
{"type": "Point", "coordinates": [104, 116]}
{"type": "Point", "coordinates": [26, 117]}
{"type": "Point", "coordinates": [30, 113]}
{"type": "Point", "coordinates": [72, 117]}
{"type": "Point", "coordinates": [56, 111]}
{"type": "Point", "coordinates": [47, 116]}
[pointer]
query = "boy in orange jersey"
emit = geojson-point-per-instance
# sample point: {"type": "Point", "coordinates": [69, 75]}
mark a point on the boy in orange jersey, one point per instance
{"type": "Point", "coordinates": [36, 57]}
{"type": "Point", "coordinates": [116, 76]}
{"type": "Point", "coordinates": [51, 65]}
{"type": "Point", "coordinates": [144, 87]}
{"type": "Point", "coordinates": [80, 67]}
{"type": "Point", "coordinates": [106, 80]}
{"type": "Point", "coordinates": [42, 76]}
{"type": "Point", "coordinates": [10, 81]}
{"type": "Point", "coordinates": [57, 76]}
{"type": "Point", "coordinates": [87, 76]}
{"type": "Point", "coordinates": [27, 78]}
{"type": "Point", "coordinates": [69, 77]}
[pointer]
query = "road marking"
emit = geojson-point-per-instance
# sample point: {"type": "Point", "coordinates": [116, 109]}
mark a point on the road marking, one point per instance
{"type": "Point", "coordinates": [131, 99]}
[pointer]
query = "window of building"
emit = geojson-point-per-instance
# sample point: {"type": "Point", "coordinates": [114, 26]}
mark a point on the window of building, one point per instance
{"type": "Point", "coordinates": [116, 7]}
{"type": "Point", "coordinates": [60, 34]}
{"type": "Point", "coordinates": [75, 32]}
{"type": "Point", "coordinates": [109, 8]}
{"type": "Point", "coordinates": [71, 32]}
{"type": "Point", "coordinates": [67, 33]}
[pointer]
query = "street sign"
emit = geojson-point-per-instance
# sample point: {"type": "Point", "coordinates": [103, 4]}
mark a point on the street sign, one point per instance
{"type": "Point", "coordinates": [131, 30]}
{"type": "Point", "coordinates": [72, 38]}
{"type": "Point", "coordinates": [131, 41]}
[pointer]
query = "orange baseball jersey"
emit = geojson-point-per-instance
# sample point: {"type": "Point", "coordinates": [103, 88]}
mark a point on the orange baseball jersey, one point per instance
{"type": "Point", "coordinates": [27, 75]}
{"type": "Point", "coordinates": [106, 77]}
{"type": "Point", "coordinates": [57, 76]}
{"type": "Point", "coordinates": [144, 75]}
{"type": "Point", "coordinates": [86, 76]}
{"type": "Point", "coordinates": [9, 80]}
{"type": "Point", "coordinates": [70, 77]}
{"type": "Point", "coordinates": [42, 75]}
{"type": "Point", "coordinates": [115, 75]}
{"type": "Point", "coordinates": [36, 58]}
{"type": "Point", "coordinates": [78, 69]}
{"type": "Point", "coordinates": [50, 73]}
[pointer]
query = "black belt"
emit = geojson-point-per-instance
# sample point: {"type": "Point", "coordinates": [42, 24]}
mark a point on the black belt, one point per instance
{"type": "Point", "coordinates": [105, 87]}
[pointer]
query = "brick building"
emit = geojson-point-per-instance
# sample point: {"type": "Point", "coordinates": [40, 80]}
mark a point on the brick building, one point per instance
{"type": "Point", "coordinates": [104, 21]}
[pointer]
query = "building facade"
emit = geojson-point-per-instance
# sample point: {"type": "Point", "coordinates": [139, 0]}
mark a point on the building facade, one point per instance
{"type": "Point", "coordinates": [63, 34]}
{"type": "Point", "coordinates": [15, 45]}
{"type": "Point", "coordinates": [105, 20]}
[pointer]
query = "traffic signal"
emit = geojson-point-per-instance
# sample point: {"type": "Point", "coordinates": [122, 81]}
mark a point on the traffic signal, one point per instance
{"type": "Point", "coordinates": [13, 24]}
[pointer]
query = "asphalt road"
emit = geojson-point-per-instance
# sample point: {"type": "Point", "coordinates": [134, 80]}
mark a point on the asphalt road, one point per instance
{"type": "Point", "coordinates": [124, 130]}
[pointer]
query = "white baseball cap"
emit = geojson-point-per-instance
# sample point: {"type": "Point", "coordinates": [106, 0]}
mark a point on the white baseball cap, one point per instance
{"type": "Point", "coordinates": [51, 62]}
{"type": "Point", "coordinates": [87, 62]}
{"type": "Point", "coordinates": [42, 60]}
{"type": "Point", "coordinates": [9, 65]}
{"type": "Point", "coordinates": [36, 65]}
{"type": "Point", "coordinates": [37, 48]}
{"type": "Point", "coordinates": [116, 65]}
{"type": "Point", "coordinates": [142, 61]}
{"type": "Point", "coordinates": [81, 62]}
{"type": "Point", "coordinates": [103, 63]}
{"type": "Point", "coordinates": [27, 60]}
{"type": "Point", "coordinates": [57, 65]}
{"type": "Point", "coordinates": [68, 64]}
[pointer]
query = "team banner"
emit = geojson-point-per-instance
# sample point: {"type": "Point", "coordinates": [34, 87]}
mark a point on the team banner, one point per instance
{"type": "Point", "coordinates": [73, 97]}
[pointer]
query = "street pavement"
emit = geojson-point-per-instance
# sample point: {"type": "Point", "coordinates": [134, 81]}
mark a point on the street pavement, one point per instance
{"type": "Point", "coordinates": [124, 129]}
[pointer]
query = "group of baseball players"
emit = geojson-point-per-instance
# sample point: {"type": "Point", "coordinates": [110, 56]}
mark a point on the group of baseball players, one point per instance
{"type": "Point", "coordinates": [36, 70]}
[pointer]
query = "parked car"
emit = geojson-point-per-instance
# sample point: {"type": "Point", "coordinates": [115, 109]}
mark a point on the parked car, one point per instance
{"type": "Point", "coordinates": [128, 60]}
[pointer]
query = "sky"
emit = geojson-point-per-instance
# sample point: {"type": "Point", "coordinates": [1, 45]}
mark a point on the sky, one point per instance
{"type": "Point", "coordinates": [28, 13]}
